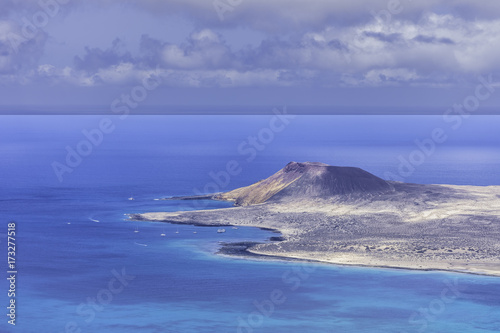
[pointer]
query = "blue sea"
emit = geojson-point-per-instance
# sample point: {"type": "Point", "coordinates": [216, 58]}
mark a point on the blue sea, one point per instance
{"type": "Point", "coordinates": [83, 267]}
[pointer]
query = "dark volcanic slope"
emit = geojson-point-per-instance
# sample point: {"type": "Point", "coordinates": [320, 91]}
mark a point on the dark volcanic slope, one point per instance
{"type": "Point", "coordinates": [309, 179]}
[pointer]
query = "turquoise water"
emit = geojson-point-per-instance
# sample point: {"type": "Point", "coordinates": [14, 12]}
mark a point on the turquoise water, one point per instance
{"type": "Point", "coordinates": [67, 280]}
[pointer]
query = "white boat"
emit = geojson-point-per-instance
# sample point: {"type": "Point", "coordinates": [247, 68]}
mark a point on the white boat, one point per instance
{"type": "Point", "coordinates": [220, 231]}
{"type": "Point", "coordinates": [163, 234]}
{"type": "Point", "coordinates": [235, 228]}
{"type": "Point", "coordinates": [177, 231]}
{"type": "Point", "coordinates": [136, 229]}
{"type": "Point", "coordinates": [194, 232]}
{"type": "Point", "coordinates": [131, 198]}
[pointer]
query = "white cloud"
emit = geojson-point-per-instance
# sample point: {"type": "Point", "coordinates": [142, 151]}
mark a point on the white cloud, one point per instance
{"type": "Point", "coordinates": [435, 49]}
{"type": "Point", "coordinates": [205, 35]}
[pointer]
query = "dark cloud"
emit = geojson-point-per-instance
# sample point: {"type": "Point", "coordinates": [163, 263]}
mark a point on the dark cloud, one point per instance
{"type": "Point", "coordinates": [337, 45]}
{"type": "Point", "coordinates": [204, 49]}
{"type": "Point", "coordinates": [433, 40]}
{"type": "Point", "coordinates": [271, 53]}
{"type": "Point", "coordinates": [151, 50]}
{"type": "Point", "coordinates": [95, 58]}
{"type": "Point", "coordinates": [18, 54]}
{"type": "Point", "coordinates": [389, 38]}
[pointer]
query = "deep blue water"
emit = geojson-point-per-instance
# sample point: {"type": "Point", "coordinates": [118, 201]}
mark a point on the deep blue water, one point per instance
{"type": "Point", "coordinates": [178, 284]}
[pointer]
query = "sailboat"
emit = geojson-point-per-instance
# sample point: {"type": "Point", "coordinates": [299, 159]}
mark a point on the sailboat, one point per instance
{"type": "Point", "coordinates": [177, 231]}
{"type": "Point", "coordinates": [136, 229]}
{"type": "Point", "coordinates": [163, 233]}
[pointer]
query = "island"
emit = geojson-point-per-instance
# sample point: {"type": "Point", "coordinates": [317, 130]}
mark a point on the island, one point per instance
{"type": "Point", "coordinates": [348, 216]}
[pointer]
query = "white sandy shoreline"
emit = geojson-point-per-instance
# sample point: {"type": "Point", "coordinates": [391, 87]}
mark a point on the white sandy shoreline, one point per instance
{"type": "Point", "coordinates": [416, 227]}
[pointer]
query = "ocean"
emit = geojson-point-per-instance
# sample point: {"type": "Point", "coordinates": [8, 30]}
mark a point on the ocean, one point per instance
{"type": "Point", "coordinates": [83, 267]}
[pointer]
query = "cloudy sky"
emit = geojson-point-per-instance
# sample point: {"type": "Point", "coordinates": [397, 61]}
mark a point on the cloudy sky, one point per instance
{"type": "Point", "coordinates": [378, 53]}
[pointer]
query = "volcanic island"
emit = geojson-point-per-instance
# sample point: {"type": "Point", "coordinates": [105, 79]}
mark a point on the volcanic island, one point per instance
{"type": "Point", "coordinates": [348, 216]}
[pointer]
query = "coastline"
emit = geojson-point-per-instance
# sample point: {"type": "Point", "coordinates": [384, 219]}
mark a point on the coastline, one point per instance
{"type": "Point", "coordinates": [242, 250]}
{"type": "Point", "coordinates": [417, 227]}
{"type": "Point", "coordinates": [327, 262]}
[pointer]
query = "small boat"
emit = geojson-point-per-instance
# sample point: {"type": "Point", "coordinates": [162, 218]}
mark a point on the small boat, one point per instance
{"type": "Point", "coordinates": [140, 244]}
{"type": "Point", "coordinates": [68, 223]}
{"type": "Point", "coordinates": [94, 220]}
{"type": "Point", "coordinates": [220, 231]}
{"type": "Point", "coordinates": [177, 231]}
{"type": "Point", "coordinates": [163, 234]}
{"type": "Point", "coordinates": [136, 229]}
{"type": "Point", "coordinates": [131, 198]}
{"type": "Point", "coordinates": [194, 232]}
{"type": "Point", "coordinates": [235, 228]}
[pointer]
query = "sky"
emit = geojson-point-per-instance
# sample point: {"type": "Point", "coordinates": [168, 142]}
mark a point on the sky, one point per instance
{"type": "Point", "coordinates": [427, 54]}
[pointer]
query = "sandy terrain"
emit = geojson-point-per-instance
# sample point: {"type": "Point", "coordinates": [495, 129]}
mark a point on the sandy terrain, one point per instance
{"type": "Point", "coordinates": [430, 227]}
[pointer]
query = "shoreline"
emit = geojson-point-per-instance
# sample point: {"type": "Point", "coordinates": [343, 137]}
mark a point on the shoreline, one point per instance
{"type": "Point", "coordinates": [416, 227]}
{"type": "Point", "coordinates": [242, 250]}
